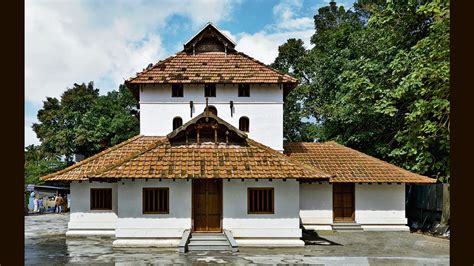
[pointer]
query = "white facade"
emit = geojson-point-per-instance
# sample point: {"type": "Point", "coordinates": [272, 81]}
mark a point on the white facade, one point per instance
{"type": "Point", "coordinates": [83, 221]}
{"type": "Point", "coordinates": [264, 108]}
{"type": "Point", "coordinates": [380, 207]}
{"type": "Point", "coordinates": [282, 228]}
{"type": "Point", "coordinates": [316, 205]}
{"type": "Point", "coordinates": [377, 206]}
{"type": "Point", "coordinates": [134, 227]}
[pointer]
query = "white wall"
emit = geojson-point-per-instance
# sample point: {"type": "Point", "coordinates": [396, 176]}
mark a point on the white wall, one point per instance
{"type": "Point", "coordinates": [82, 217]}
{"type": "Point", "coordinates": [382, 204]}
{"type": "Point", "coordinates": [284, 223]}
{"type": "Point", "coordinates": [133, 223]}
{"type": "Point", "coordinates": [316, 210]}
{"type": "Point", "coordinates": [264, 108]}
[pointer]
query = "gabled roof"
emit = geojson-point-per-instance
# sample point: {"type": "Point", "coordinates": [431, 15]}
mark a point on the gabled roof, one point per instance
{"type": "Point", "coordinates": [210, 57]}
{"type": "Point", "coordinates": [210, 115]}
{"type": "Point", "coordinates": [209, 160]}
{"type": "Point", "coordinates": [168, 157]}
{"type": "Point", "coordinates": [349, 165]}
{"type": "Point", "coordinates": [210, 67]}
{"type": "Point", "coordinates": [210, 28]}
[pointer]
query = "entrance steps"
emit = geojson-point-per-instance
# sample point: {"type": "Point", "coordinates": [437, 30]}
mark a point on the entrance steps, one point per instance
{"type": "Point", "coordinates": [346, 226]}
{"type": "Point", "coordinates": [208, 241]}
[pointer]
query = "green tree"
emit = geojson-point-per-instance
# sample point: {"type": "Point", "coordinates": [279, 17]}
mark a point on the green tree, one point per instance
{"type": "Point", "coordinates": [377, 79]}
{"type": "Point", "coordinates": [290, 60]}
{"type": "Point", "coordinates": [38, 163]}
{"type": "Point", "coordinates": [84, 122]}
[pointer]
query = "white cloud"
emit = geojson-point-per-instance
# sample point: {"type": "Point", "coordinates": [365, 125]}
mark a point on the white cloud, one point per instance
{"type": "Point", "coordinates": [75, 41]}
{"type": "Point", "coordinates": [286, 14]}
{"type": "Point", "coordinates": [68, 42]}
{"type": "Point", "coordinates": [263, 46]}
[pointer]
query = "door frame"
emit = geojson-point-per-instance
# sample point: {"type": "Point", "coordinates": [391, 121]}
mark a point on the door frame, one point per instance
{"type": "Point", "coordinates": [220, 200]}
{"type": "Point", "coordinates": [353, 204]}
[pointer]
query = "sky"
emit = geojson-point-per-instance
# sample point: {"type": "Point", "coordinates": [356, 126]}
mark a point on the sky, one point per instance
{"type": "Point", "coordinates": [107, 42]}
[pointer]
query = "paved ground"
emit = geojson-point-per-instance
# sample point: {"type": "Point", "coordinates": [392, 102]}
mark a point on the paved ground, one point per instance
{"type": "Point", "coordinates": [45, 243]}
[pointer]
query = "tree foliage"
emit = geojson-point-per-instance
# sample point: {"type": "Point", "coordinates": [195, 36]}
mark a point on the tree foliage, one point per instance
{"type": "Point", "coordinates": [38, 163]}
{"type": "Point", "coordinates": [377, 79]}
{"type": "Point", "coordinates": [84, 122]}
{"type": "Point", "coordinates": [290, 60]}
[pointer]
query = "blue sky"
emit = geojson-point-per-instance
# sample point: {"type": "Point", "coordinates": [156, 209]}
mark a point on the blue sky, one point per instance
{"type": "Point", "coordinates": [69, 42]}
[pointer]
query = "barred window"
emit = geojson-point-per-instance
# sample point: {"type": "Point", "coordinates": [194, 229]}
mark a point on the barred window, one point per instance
{"type": "Point", "coordinates": [177, 90]}
{"type": "Point", "coordinates": [210, 90]}
{"type": "Point", "coordinates": [260, 201]}
{"type": "Point", "coordinates": [101, 199]}
{"type": "Point", "coordinates": [155, 200]}
{"type": "Point", "coordinates": [244, 90]}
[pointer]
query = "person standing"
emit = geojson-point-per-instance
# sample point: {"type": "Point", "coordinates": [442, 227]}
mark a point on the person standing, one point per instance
{"type": "Point", "coordinates": [61, 203]}
{"type": "Point", "coordinates": [57, 204]}
{"type": "Point", "coordinates": [35, 204]}
{"type": "Point", "coordinates": [40, 205]}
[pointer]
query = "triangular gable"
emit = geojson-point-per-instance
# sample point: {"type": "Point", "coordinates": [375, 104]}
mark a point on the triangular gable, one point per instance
{"type": "Point", "coordinates": [205, 39]}
{"type": "Point", "coordinates": [210, 119]}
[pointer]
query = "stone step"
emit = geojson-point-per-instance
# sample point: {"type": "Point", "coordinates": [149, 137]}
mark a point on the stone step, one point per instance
{"type": "Point", "coordinates": [346, 227]}
{"type": "Point", "coordinates": [208, 238]}
{"type": "Point", "coordinates": [213, 248]}
{"type": "Point", "coordinates": [207, 234]}
{"type": "Point", "coordinates": [209, 243]}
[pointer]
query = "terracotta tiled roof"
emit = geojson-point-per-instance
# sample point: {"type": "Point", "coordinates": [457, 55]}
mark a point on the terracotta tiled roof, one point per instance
{"type": "Point", "coordinates": [348, 165]}
{"type": "Point", "coordinates": [155, 157]}
{"type": "Point", "coordinates": [210, 67]}
{"type": "Point", "coordinates": [99, 162]}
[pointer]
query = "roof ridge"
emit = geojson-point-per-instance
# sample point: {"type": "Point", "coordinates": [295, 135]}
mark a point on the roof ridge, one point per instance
{"type": "Point", "coordinates": [129, 158]}
{"type": "Point", "coordinates": [267, 66]}
{"type": "Point", "coordinates": [293, 161]}
{"type": "Point", "coordinates": [91, 158]}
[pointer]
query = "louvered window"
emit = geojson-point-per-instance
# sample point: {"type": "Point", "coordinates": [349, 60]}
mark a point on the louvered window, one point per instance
{"type": "Point", "coordinates": [101, 199]}
{"type": "Point", "coordinates": [244, 90]}
{"type": "Point", "coordinates": [177, 90]}
{"type": "Point", "coordinates": [155, 200]}
{"type": "Point", "coordinates": [210, 90]}
{"type": "Point", "coordinates": [261, 201]}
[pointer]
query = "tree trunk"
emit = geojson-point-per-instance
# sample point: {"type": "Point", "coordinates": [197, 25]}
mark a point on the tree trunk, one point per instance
{"type": "Point", "coordinates": [446, 210]}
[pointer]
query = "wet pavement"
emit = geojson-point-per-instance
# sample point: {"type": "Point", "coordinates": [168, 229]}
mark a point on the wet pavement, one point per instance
{"type": "Point", "coordinates": [45, 243]}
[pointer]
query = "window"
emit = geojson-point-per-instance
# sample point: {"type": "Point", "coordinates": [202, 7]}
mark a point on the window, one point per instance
{"type": "Point", "coordinates": [244, 90]}
{"type": "Point", "coordinates": [260, 200]}
{"type": "Point", "coordinates": [244, 124]}
{"type": "Point", "coordinates": [177, 122]}
{"type": "Point", "coordinates": [177, 90]}
{"type": "Point", "coordinates": [101, 199]}
{"type": "Point", "coordinates": [210, 90]}
{"type": "Point", "coordinates": [155, 200]}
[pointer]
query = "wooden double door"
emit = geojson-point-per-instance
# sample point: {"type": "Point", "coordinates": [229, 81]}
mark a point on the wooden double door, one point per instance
{"type": "Point", "coordinates": [207, 205]}
{"type": "Point", "coordinates": [343, 202]}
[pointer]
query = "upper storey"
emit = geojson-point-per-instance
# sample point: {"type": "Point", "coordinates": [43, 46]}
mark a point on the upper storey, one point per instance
{"type": "Point", "coordinates": [210, 57]}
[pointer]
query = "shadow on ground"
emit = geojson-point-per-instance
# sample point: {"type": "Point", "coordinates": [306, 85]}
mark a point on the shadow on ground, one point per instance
{"type": "Point", "coordinates": [311, 237]}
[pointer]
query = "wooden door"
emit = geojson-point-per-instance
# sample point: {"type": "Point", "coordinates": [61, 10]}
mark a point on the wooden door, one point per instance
{"type": "Point", "coordinates": [343, 202]}
{"type": "Point", "coordinates": [207, 205]}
